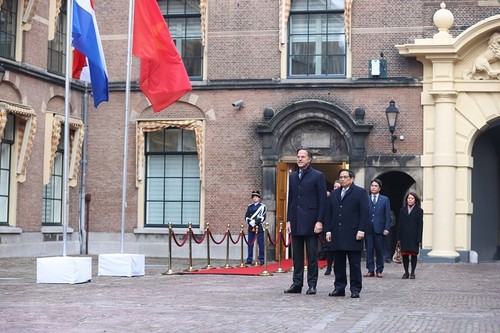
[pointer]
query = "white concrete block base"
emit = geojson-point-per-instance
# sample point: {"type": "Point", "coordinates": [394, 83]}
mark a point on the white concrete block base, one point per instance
{"type": "Point", "coordinates": [121, 264]}
{"type": "Point", "coordinates": [69, 270]}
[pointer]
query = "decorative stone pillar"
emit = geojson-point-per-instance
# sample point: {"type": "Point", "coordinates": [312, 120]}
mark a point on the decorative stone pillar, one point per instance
{"type": "Point", "coordinates": [444, 164]}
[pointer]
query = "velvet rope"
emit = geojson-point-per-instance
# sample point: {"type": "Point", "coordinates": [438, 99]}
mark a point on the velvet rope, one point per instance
{"type": "Point", "coordinates": [246, 240]}
{"type": "Point", "coordinates": [222, 240]}
{"type": "Point", "coordinates": [183, 242]}
{"type": "Point", "coordinates": [202, 237]}
{"type": "Point", "coordinates": [284, 240]}
{"type": "Point", "coordinates": [271, 241]}
{"type": "Point", "coordinates": [237, 239]}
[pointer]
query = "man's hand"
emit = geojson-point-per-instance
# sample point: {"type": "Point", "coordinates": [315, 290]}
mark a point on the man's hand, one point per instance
{"type": "Point", "coordinates": [386, 232]}
{"type": "Point", "coordinates": [288, 228]}
{"type": "Point", "coordinates": [318, 227]}
{"type": "Point", "coordinates": [328, 236]}
{"type": "Point", "coordinates": [360, 235]}
{"type": "Point", "coordinates": [252, 223]}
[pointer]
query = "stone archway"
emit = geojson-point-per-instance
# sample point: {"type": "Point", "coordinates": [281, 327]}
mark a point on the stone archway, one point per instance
{"type": "Point", "coordinates": [458, 102]}
{"type": "Point", "coordinates": [485, 223]}
{"type": "Point", "coordinates": [325, 128]}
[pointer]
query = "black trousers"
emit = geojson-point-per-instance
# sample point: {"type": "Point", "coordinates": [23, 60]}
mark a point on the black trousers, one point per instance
{"type": "Point", "coordinates": [339, 268]}
{"type": "Point", "coordinates": [311, 247]}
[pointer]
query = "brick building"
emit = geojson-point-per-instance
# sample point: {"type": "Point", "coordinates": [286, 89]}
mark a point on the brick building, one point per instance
{"type": "Point", "coordinates": [268, 77]}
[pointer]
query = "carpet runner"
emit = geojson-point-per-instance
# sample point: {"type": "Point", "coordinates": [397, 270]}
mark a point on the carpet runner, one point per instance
{"type": "Point", "coordinates": [286, 265]}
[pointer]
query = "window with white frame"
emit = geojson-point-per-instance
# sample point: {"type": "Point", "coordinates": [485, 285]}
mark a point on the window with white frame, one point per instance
{"type": "Point", "coordinates": [53, 191]}
{"type": "Point", "coordinates": [172, 179]}
{"type": "Point", "coordinates": [56, 57]}
{"type": "Point", "coordinates": [317, 40]}
{"type": "Point", "coordinates": [5, 168]}
{"type": "Point", "coordinates": [184, 23]}
{"type": "Point", "coordinates": [8, 28]}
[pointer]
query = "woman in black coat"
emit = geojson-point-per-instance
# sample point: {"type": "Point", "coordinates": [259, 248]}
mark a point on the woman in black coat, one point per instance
{"type": "Point", "coordinates": [411, 222]}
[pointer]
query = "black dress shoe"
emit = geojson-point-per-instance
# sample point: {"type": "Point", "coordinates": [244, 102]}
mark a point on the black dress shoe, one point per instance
{"type": "Point", "coordinates": [336, 293]}
{"type": "Point", "coordinates": [328, 272]}
{"type": "Point", "coordinates": [354, 295]}
{"type": "Point", "coordinates": [311, 291]}
{"type": "Point", "coordinates": [293, 290]}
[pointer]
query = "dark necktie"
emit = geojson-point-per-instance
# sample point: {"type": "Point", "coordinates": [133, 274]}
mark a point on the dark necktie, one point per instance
{"type": "Point", "coordinates": [374, 199]}
{"type": "Point", "coordinates": [300, 174]}
{"type": "Point", "coordinates": [342, 193]}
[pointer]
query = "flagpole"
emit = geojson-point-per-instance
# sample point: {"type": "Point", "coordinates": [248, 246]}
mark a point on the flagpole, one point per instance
{"type": "Point", "coordinates": [69, 23]}
{"type": "Point", "coordinates": [125, 128]}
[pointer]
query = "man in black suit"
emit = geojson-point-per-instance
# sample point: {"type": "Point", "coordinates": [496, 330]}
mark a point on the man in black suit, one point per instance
{"type": "Point", "coordinates": [349, 220]}
{"type": "Point", "coordinates": [306, 211]}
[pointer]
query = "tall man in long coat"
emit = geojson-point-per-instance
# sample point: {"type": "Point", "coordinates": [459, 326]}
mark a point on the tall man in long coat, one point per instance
{"type": "Point", "coordinates": [349, 221]}
{"type": "Point", "coordinates": [306, 211]}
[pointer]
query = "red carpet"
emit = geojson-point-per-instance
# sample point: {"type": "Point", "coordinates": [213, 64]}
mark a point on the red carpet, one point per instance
{"type": "Point", "coordinates": [286, 265]}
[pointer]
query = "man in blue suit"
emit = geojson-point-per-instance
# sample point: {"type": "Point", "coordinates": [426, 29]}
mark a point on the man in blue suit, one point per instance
{"type": "Point", "coordinates": [349, 219]}
{"type": "Point", "coordinates": [306, 211]}
{"type": "Point", "coordinates": [379, 208]}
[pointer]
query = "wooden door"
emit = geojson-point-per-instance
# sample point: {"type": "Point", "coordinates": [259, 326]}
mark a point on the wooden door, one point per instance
{"type": "Point", "coordinates": [281, 198]}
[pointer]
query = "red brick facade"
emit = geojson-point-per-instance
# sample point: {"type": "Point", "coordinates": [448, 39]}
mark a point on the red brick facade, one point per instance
{"type": "Point", "coordinates": [243, 61]}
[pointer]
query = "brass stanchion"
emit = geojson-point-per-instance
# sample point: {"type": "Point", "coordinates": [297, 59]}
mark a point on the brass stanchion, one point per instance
{"type": "Point", "coordinates": [169, 271]}
{"type": "Point", "coordinates": [190, 268]}
{"type": "Point", "coordinates": [256, 246]}
{"type": "Point", "coordinates": [227, 248]}
{"type": "Point", "coordinates": [266, 235]}
{"type": "Point", "coordinates": [280, 270]}
{"type": "Point", "coordinates": [208, 266]}
{"type": "Point", "coordinates": [242, 234]}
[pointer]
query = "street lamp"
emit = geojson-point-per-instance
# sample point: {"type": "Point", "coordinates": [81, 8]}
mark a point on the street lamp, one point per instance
{"type": "Point", "coordinates": [392, 117]}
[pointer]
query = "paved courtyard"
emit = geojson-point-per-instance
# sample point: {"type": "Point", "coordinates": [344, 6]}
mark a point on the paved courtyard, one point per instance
{"type": "Point", "coordinates": [443, 298]}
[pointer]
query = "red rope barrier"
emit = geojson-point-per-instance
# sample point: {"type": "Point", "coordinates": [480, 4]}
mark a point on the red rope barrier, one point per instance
{"type": "Point", "coordinates": [284, 240]}
{"type": "Point", "coordinates": [246, 240]}
{"type": "Point", "coordinates": [271, 241]}
{"type": "Point", "coordinates": [237, 239]}
{"type": "Point", "coordinates": [183, 242]}
{"type": "Point", "coordinates": [202, 237]}
{"type": "Point", "coordinates": [222, 240]}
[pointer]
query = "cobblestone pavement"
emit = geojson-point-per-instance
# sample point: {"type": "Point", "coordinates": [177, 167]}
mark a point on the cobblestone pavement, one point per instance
{"type": "Point", "coordinates": [443, 298]}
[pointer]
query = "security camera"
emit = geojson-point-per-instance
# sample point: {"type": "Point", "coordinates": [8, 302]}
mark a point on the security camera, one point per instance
{"type": "Point", "coordinates": [238, 104]}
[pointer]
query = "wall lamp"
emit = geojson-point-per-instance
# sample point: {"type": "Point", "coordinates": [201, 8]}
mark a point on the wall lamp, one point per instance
{"type": "Point", "coordinates": [2, 73]}
{"type": "Point", "coordinates": [392, 113]}
{"type": "Point", "coordinates": [238, 104]}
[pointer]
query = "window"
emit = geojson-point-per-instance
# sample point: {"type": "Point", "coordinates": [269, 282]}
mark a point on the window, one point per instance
{"type": "Point", "coordinates": [5, 169]}
{"type": "Point", "coordinates": [184, 22]}
{"type": "Point", "coordinates": [172, 178]}
{"type": "Point", "coordinates": [56, 58]}
{"type": "Point", "coordinates": [8, 26]}
{"type": "Point", "coordinates": [53, 191]}
{"type": "Point", "coordinates": [317, 42]}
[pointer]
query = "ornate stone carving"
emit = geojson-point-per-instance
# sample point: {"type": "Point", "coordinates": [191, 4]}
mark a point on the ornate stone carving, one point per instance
{"type": "Point", "coordinates": [323, 140]}
{"type": "Point", "coordinates": [481, 68]}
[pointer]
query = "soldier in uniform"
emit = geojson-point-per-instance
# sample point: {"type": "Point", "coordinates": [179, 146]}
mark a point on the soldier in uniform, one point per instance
{"type": "Point", "coordinates": [255, 217]}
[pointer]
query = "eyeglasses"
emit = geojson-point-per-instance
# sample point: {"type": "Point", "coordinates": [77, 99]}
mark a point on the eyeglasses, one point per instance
{"type": "Point", "coordinates": [343, 177]}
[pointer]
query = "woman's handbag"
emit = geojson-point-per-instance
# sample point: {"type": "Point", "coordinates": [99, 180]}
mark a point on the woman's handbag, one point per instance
{"type": "Point", "coordinates": [397, 257]}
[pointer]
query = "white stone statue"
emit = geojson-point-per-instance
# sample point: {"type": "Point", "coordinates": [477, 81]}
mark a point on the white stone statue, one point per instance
{"type": "Point", "coordinates": [481, 68]}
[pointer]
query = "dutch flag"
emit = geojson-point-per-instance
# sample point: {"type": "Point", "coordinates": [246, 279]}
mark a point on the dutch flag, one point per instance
{"type": "Point", "coordinates": [86, 39]}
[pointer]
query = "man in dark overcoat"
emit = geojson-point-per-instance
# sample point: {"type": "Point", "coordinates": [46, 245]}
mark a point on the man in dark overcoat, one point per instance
{"type": "Point", "coordinates": [305, 215]}
{"type": "Point", "coordinates": [350, 218]}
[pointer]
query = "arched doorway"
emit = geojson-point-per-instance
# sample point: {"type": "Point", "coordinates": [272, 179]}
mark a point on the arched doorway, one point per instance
{"type": "Point", "coordinates": [395, 186]}
{"type": "Point", "coordinates": [485, 222]}
{"type": "Point", "coordinates": [329, 131]}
